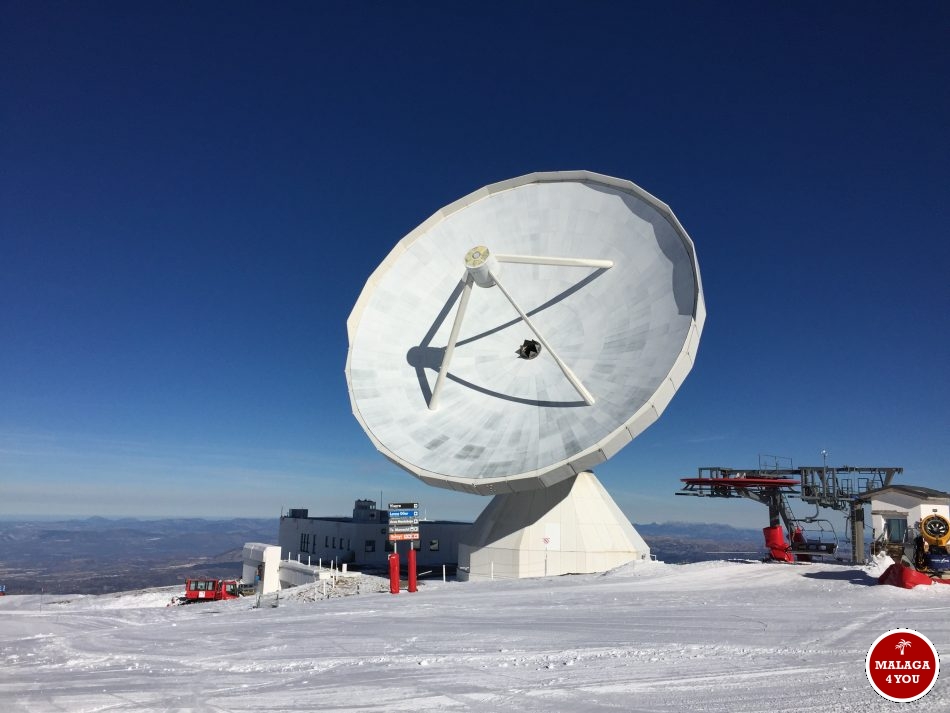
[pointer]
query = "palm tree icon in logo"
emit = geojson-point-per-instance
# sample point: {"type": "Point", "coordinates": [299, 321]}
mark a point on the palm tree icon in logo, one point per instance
{"type": "Point", "coordinates": [902, 644]}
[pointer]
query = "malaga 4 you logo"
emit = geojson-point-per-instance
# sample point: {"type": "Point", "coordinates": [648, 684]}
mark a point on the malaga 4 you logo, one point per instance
{"type": "Point", "coordinates": [902, 665]}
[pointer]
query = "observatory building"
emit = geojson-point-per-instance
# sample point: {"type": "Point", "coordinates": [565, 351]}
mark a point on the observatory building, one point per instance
{"type": "Point", "coordinates": [518, 338]}
{"type": "Point", "coordinates": [361, 540]}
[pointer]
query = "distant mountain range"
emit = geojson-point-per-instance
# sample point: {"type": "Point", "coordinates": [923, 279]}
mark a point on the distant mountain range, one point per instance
{"type": "Point", "coordinates": [99, 555]}
{"type": "Point", "coordinates": [682, 542]}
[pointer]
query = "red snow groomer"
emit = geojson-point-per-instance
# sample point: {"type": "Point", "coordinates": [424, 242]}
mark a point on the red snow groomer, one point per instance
{"type": "Point", "coordinates": [209, 590]}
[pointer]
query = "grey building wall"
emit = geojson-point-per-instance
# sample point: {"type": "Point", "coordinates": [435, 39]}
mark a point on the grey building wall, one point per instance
{"type": "Point", "coordinates": [362, 540]}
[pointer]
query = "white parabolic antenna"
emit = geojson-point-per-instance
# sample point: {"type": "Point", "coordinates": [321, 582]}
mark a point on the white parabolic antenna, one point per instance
{"type": "Point", "coordinates": [519, 337]}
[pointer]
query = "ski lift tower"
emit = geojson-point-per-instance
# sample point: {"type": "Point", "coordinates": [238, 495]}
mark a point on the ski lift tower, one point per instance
{"type": "Point", "coordinates": [838, 488]}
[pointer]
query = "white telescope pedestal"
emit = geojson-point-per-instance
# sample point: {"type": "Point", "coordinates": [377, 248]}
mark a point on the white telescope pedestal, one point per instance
{"type": "Point", "coordinates": [573, 527]}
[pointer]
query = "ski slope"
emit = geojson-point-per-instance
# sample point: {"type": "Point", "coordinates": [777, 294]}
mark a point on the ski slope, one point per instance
{"type": "Point", "coordinates": [712, 636]}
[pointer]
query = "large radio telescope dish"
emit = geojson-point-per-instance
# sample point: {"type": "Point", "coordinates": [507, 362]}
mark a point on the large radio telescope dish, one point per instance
{"type": "Point", "coordinates": [592, 275]}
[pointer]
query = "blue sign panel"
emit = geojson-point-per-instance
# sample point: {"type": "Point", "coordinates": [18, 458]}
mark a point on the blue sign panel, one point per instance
{"type": "Point", "coordinates": [403, 513]}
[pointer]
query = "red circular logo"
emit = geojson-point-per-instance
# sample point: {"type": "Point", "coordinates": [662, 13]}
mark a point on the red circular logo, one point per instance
{"type": "Point", "coordinates": [902, 665]}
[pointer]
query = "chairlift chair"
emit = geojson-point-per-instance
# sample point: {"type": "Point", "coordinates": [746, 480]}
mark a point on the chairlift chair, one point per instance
{"type": "Point", "coordinates": [814, 536]}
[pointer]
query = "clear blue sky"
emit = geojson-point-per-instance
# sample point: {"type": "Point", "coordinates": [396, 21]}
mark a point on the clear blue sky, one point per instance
{"type": "Point", "coordinates": [193, 194]}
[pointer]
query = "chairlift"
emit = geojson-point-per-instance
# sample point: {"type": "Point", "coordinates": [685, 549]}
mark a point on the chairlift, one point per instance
{"type": "Point", "coordinates": [814, 536]}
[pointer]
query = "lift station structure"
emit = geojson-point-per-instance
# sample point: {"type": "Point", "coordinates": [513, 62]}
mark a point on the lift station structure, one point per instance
{"type": "Point", "coordinates": [841, 488]}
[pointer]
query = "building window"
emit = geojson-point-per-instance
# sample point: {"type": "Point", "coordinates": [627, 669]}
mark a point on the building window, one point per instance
{"type": "Point", "coordinates": [389, 546]}
{"type": "Point", "coordinates": [896, 529]}
{"type": "Point", "coordinates": [326, 541]}
{"type": "Point", "coordinates": [369, 546]}
{"type": "Point", "coordinates": [334, 543]}
{"type": "Point", "coordinates": [304, 542]}
{"type": "Point", "coordinates": [433, 545]}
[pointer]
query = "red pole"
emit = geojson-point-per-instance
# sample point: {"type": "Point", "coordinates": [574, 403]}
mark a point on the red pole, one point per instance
{"type": "Point", "coordinates": [394, 573]}
{"type": "Point", "coordinates": [412, 568]}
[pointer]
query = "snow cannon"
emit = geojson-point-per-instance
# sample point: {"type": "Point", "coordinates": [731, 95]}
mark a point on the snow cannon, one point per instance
{"type": "Point", "coordinates": [930, 547]}
{"type": "Point", "coordinates": [936, 530]}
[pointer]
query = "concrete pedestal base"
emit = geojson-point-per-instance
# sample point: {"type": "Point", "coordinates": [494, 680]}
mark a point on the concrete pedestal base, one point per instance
{"type": "Point", "coordinates": [572, 527]}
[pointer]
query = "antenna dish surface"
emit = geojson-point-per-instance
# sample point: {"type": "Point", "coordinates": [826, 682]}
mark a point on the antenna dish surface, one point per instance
{"type": "Point", "coordinates": [526, 332]}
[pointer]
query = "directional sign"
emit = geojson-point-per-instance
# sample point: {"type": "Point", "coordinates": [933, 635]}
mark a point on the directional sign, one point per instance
{"type": "Point", "coordinates": [403, 521]}
{"type": "Point", "coordinates": [395, 514]}
{"type": "Point", "coordinates": [403, 528]}
{"type": "Point", "coordinates": [402, 536]}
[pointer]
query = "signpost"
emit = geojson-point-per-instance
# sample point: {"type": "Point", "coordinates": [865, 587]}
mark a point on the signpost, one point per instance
{"type": "Point", "coordinates": [403, 521]}
{"type": "Point", "coordinates": [403, 527]}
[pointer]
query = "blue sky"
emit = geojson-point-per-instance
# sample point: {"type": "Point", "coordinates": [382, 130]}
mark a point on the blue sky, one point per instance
{"type": "Point", "coordinates": [192, 196]}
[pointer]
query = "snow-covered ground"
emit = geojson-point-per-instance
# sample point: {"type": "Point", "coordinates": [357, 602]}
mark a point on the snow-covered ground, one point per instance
{"type": "Point", "coordinates": [713, 636]}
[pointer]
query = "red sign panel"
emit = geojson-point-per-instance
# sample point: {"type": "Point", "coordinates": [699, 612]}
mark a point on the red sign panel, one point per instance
{"type": "Point", "coordinates": [401, 536]}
